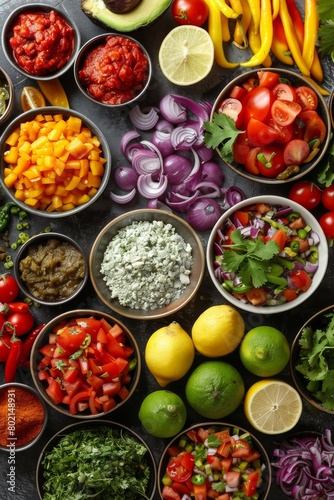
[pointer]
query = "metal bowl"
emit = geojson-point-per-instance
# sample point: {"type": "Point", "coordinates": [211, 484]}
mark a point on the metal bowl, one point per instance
{"type": "Point", "coordinates": [296, 80]}
{"type": "Point", "coordinates": [7, 33]}
{"type": "Point", "coordinates": [318, 275]}
{"type": "Point", "coordinates": [7, 84]}
{"type": "Point", "coordinates": [317, 321]}
{"type": "Point", "coordinates": [31, 115]}
{"type": "Point", "coordinates": [43, 339]}
{"type": "Point", "coordinates": [263, 490]}
{"type": "Point", "coordinates": [95, 426]}
{"type": "Point", "coordinates": [99, 247]}
{"type": "Point", "coordinates": [56, 286]}
{"type": "Point", "coordinates": [84, 53]}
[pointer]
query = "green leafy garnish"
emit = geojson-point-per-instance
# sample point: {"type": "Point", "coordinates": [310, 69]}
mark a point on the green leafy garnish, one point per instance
{"type": "Point", "coordinates": [326, 29]}
{"type": "Point", "coordinates": [101, 463]}
{"type": "Point", "coordinates": [249, 258]}
{"type": "Point", "coordinates": [221, 133]}
{"type": "Point", "coordinates": [316, 361]}
{"type": "Point", "coordinates": [325, 176]}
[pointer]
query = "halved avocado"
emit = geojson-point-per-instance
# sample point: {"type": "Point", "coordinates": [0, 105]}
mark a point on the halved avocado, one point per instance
{"type": "Point", "coordinates": [139, 17]}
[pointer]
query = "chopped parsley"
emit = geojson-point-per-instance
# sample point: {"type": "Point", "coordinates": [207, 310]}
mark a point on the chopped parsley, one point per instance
{"type": "Point", "coordinates": [101, 463]}
{"type": "Point", "coordinates": [221, 133]}
{"type": "Point", "coordinates": [316, 361]}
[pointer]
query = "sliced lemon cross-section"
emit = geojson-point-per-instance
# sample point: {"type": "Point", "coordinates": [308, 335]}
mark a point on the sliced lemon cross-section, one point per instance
{"type": "Point", "coordinates": [272, 406]}
{"type": "Point", "coordinates": [186, 55]}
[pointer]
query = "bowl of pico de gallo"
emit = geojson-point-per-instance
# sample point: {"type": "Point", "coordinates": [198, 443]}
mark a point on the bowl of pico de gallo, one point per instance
{"type": "Point", "coordinates": [267, 254]}
{"type": "Point", "coordinates": [270, 126]}
{"type": "Point", "coordinates": [213, 458]}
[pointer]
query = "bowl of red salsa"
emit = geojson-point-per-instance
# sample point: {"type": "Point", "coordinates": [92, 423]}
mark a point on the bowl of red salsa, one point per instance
{"type": "Point", "coordinates": [113, 70]}
{"type": "Point", "coordinates": [40, 41]}
{"type": "Point", "coordinates": [273, 123]}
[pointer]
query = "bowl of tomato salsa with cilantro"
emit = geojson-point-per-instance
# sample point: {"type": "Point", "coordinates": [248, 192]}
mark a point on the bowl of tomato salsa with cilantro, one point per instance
{"type": "Point", "coordinates": [267, 254]}
{"type": "Point", "coordinates": [85, 363]}
{"type": "Point", "coordinates": [214, 460]}
{"type": "Point", "coordinates": [270, 126]}
{"type": "Point", "coordinates": [40, 41]}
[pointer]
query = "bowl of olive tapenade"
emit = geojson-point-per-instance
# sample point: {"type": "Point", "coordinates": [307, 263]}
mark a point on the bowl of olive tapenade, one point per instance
{"type": "Point", "coordinates": [7, 96]}
{"type": "Point", "coordinates": [51, 268]}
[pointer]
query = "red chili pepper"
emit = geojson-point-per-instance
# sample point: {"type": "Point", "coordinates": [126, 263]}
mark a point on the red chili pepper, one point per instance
{"type": "Point", "coordinates": [14, 307]}
{"type": "Point", "coordinates": [28, 343]}
{"type": "Point", "coordinates": [13, 359]}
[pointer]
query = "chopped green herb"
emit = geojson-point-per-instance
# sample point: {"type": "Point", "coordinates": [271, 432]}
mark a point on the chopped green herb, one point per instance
{"type": "Point", "coordinates": [325, 176]}
{"type": "Point", "coordinates": [221, 133]}
{"type": "Point", "coordinates": [316, 361]}
{"type": "Point", "coordinates": [326, 29]}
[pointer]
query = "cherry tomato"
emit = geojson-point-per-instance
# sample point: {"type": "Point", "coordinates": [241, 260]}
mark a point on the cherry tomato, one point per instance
{"type": "Point", "coordinates": [71, 338]}
{"type": "Point", "coordinates": [232, 108]}
{"type": "Point", "coordinates": [327, 197]}
{"type": "Point", "coordinates": [306, 194]}
{"type": "Point", "coordinates": [260, 134]}
{"type": "Point", "coordinates": [193, 12]}
{"type": "Point", "coordinates": [257, 104]}
{"type": "Point", "coordinates": [286, 134]}
{"type": "Point", "coordinates": [327, 223]}
{"type": "Point", "coordinates": [238, 92]}
{"type": "Point", "coordinates": [296, 152]}
{"type": "Point", "coordinates": [306, 97]}
{"type": "Point", "coordinates": [251, 164]}
{"type": "Point", "coordinates": [270, 161]}
{"type": "Point", "coordinates": [23, 322]}
{"type": "Point", "coordinates": [285, 92]}
{"type": "Point", "coordinates": [241, 149]}
{"type": "Point", "coordinates": [315, 127]}
{"type": "Point", "coordinates": [284, 112]}
{"type": "Point", "coordinates": [176, 471]}
{"type": "Point", "coordinates": [9, 288]}
{"type": "Point", "coordinates": [268, 79]}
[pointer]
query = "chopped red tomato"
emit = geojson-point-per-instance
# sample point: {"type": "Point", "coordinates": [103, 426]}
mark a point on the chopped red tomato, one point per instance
{"type": "Point", "coordinates": [301, 280]}
{"type": "Point", "coordinates": [250, 485]}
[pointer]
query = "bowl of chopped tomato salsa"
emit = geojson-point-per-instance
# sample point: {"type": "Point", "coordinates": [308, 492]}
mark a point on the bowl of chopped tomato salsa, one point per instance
{"type": "Point", "coordinates": [270, 126]}
{"type": "Point", "coordinates": [113, 70]}
{"type": "Point", "coordinates": [267, 254]}
{"type": "Point", "coordinates": [40, 41]}
{"type": "Point", "coordinates": [214, 460]}
{"type": "Point", "coordinates": [85, 363]}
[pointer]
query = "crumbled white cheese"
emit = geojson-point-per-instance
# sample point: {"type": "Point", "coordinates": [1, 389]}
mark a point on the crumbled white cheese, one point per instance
{"type": "Point", "coordinates": [147, 265]}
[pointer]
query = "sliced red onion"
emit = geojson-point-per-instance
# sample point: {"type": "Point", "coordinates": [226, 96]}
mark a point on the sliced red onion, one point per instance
{"type": "Point", "coordinates": [212, 172]}
{"type": "Point", "coordinates": [234, 194]}
{"type": "Point", "coordinates": [146, 161]}
{"type": "Point", "coordinates": [162, 140]}
{"type": "Point", "coordinates": [150, 188]}
{"type": "Point", "coordinates": [131, 148]}
{"type": "Point", "coordinates": [157, 204]}
{"type": "Point", "coordinates": [165, 126]}
{"type": "Point", "coordinates": [172, 110]}
{"type": "Point", "coordinates": [209, 188]}
{"type": "Point", "coordinates": [195, 175]}
{"type": "Point", "coordinates": [122, 199]}
{"type": "Point", "coordinates": [177, 168]}
{"type": "Point", "coordinates": [310, 268]}
{"type": "Point", "coordinates": [180, 203]}
{"type": "Point", "coordinates": [154, 148]}
{"type": "Point", "coordinates": [203, 214]}
{"type": "Point", "coordinates": [128, 137]}
{"type": "Point", "coordinates": [200, 111]}
{"type": "Point", "coordinates": [145, 118]}
{"type": "Point", "coordinates": [205, 153]}
{"type": "Point", "coordinates": [183, 138]}
{"type": "Point", "coordinates": [125, 178]}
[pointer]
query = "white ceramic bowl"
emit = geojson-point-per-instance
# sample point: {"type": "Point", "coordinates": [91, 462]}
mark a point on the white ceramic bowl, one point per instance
{"type": "Point", "coordinates": [7, 32]}
{"type": "Point", "coordinates": [317, 278]}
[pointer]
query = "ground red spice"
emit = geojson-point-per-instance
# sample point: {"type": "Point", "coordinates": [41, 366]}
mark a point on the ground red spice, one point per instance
{"type": "Point", "coordinates": [22, 411]}
{"type": "Point", "coordinates": [114, 72]}
{"type": "Point", "coordinates": [42, 42]}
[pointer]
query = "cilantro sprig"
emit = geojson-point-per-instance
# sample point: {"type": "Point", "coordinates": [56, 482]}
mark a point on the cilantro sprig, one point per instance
{"type": "Point", "coordinates": [326, 29]}
{"type": "Point", "coordinates": [250, 259]}
{"type": "Point", "coordinates": [221, 133]}
{"type": "Point", "coordinates": [316, 361]}
{"type": "Point", "coordinates": [325, 175]}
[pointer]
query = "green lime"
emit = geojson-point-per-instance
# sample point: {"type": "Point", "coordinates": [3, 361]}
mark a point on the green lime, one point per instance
{"type": "Point", "coordinates": [264, 351]}
{"type": "Point", "coordinates": [215, 389]}
{"type": "Point", "coordinates": [163, 414]}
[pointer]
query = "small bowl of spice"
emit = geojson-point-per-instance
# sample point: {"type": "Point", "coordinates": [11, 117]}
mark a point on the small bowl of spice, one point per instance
{"type": "Point", "coordinates": [7, 96]}
{"type": "Point", "coordinates": [23, 417]}
{"type": "Point", "coordinates": [40, 41]}
{"type": "Point", "coordinates": [51, 268]}
{"type": "Point", "coordinates": [113, 70]}
{"type": "Point", "coordinates": [147, 264]}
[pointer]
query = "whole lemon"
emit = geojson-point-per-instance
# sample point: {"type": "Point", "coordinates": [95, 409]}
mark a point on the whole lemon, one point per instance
{"type": "Point", "coordinates": [218, 331]}
{"type": "Point", "coordinates": [169, 353]}
{"type": "Point", "coordinates": [264, 351]}
{"type": "Point", "coordinates": [163, 414]}
{"type": "Point", "coordinates": [215, 389]}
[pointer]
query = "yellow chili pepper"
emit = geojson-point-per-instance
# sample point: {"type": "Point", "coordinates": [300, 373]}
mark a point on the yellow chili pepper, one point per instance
{"type": "Point", "coordinates": [254, 40]}
{"type": "Point", "coordinates": [242, 25]}
{"type": "Point", "coordinates": [291, 38]}
{"type": "Point", "coordinates": [316, 67]}
{"type": "Point", "coordinates": [254, 6]}
{"type": "Point", "coordinates": [275, 8]}
{"type": "Point", "coordinates": [266, 34]}
{"type": "Point", "coordinates": [311, 25]}
{"type": "Point", "coordinates": [279, 44]}
{"type": "Point", "coordinates": [317, 86]}
{"type": "Point", "coordinates": [226, 34]}
{"type": "Point", "coordinates": [215, 32]}
{"type": "Point", "coordinates": [226, 9]}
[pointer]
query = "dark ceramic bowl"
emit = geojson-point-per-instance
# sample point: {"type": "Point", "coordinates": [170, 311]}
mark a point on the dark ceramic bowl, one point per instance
{"type": "Point", "coordinates": [43, 339]}
{"type": "Point", "coordinates": [95, 426]}
{"type": "Point", "coordinates": [30, 116]}
{"type": "Point", "coordinates": [8, 88]}
{"type": "Point", "coordinates": [50, 274]}
{"type": "Point", "coordinates": [7, 32]}
{"type": "Point", "coordinates": [100, 41]}
{"type": "Point", "coordinates": [110, 231]}
{"type": "Point", "coordinates": [317, 321]}
{"type": "Point", "coordinates": [264, 488]}
{"type": "Point", "coordinates": [322, 109]}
